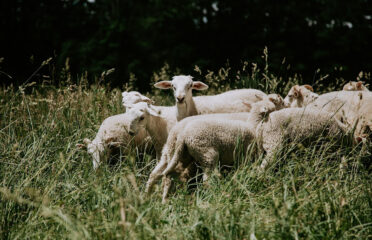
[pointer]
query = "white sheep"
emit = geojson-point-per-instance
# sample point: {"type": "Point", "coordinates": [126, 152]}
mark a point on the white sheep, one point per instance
{"type": "Point", "coordinates": [299, 96]}
{"type": "Point", "coordinates": [133, 97]}
{"type": "Point", "coordinates": [227, 102]}
{"type": "Point", "coordinates": [363, 122]}
{"type": "Point", "coordinates": [294, 125]}
{"type": "Point", "coordinates": [344, 104]}
{"type": "Point", "coordinates": [155, 121]}
{"type": "Point", "coordinates": [355, 86]}
{"type": "Point", "coordinates": [113, 133]}
{"type": "Point", "coordinates": [208, 140]}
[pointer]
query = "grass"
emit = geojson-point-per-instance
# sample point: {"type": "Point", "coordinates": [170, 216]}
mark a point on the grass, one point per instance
{"type": "Point", "coordinates": [48, 188]}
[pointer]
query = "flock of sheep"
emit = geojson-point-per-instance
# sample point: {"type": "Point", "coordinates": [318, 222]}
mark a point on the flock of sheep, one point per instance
{"type": "Point", "coordinates": [203, 131]}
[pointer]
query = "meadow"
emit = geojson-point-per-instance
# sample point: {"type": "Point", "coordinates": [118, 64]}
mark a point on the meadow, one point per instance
{"type": "Point", "coordinates": [49, 190]}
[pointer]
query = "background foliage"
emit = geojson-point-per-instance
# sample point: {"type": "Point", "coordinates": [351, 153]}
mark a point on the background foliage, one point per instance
{"type": "Point", "coordinates": [140, 36]}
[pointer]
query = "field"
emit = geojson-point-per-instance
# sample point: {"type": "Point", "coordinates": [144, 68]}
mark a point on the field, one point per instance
{"type": "Point", "coordinates": [48, 189]}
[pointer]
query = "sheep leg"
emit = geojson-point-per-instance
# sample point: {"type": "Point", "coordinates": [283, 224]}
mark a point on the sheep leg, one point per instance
{"type": "Point", "coordinates": [210, 159]}
{"type": "Point", "coordinates": [155, 174]}
{"type": "Point", "coordinates": [167, 181]}
{"type": "Point", "coordinates": [175, 159]}
{"type": "Point", "coordinates": [267, 159]}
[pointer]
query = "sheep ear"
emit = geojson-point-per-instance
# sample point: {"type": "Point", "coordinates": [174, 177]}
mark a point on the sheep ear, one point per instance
{"type": "Point", "coordinates": [87, 141]}
{"type": "Point", "coordinates": [309, 87]}
{"type": "Point", "coordinates": [249, 106]}
{"type": "Point", "coordinates": [163, 84]}
{"type": "Point", "coordinates": [359, 85]}
{"type": "Point", "coordinates": [81, 146]}
{"type": "Point", "coordinates": [199, 85]}
{"type": "Point", "coordinates": [146, 99]}
{"type": "Point", "coordinates": [260, 98]}
{"type": "Point", "coordinates": [273, 100]}
{"type": "Point", "coordinates": [296, 91]}
{"type": "Point", "coordinates": [153, 111]}
{"type": "Point", "coordinates": [127, 105]}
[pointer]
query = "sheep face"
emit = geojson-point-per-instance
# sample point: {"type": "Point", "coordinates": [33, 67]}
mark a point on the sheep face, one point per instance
{"type": "Point", "coordinates": [277, 100]}
{"type": "Point", "coordinates": [354, 86]}
{"type": "Point", "coordinates": [300, 96]}
{"type": "Point", "coordinates": [182, 87]}
{"type": "Point", "coordinates": [133, 97]}
{"type": "Point", "coordinates": [139, 116]}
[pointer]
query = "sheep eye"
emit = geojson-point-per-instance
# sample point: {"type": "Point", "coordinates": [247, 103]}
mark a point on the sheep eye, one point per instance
{"type": "Point", "coordinates": [141, 118]}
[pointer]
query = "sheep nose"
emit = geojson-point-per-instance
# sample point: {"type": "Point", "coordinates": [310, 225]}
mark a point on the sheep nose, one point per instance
{"type": "Point", "coordinates": [180, 99]}
{"type": "Point", "coordinates": [131, 133]}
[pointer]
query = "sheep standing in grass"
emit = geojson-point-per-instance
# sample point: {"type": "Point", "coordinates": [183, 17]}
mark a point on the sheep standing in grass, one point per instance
{"type": "Point", "coordinates": [294, 125]}
{"type": "Point", "coordinates": [187, 105]}
{"type": "Point", "coordinates": [113, 133]}
{"type": "Point", "coordinates": [355, 86]}
{"type": "Point", "coordinates": [207, 140]}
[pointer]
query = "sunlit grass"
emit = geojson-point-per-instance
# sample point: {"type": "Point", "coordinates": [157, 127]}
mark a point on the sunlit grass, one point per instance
{"type": "Point", "coordinates": [48, 188]}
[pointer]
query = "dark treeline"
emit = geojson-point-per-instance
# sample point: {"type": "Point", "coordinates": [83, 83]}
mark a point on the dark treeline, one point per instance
{"type": "Point", "coordinates": [137, 36]}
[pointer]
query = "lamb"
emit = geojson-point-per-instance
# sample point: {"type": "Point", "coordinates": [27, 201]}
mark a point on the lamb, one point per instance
{"type": "Point", "coordinates": [228, 102]}
{"type": "Point", "coordinates": [157, 123]}
{"type": "Point", "coordinates": [363, 126]}
{"type": "Point", "coordinates": [133, 97]}
{"type": "Point", "coordinates": [113, 134]}
{"type": "Point", "coordinates": [344, 104]}
{"type": "Point", "coordinates": [355, 86]}
{"type": "Point", "coordinates": [207, 139]}
{"type": "Point", "coordinates": [294, 125]}
{"type": "Point", "coordinates": [299, 96]}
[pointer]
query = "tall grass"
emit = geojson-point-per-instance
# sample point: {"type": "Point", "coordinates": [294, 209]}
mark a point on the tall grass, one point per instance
{"type": "Point", "coordinates": [48, 188]}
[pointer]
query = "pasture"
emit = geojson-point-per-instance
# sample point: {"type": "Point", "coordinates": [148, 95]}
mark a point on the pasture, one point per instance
{"type": "Point", "coordinates": [48, 188]}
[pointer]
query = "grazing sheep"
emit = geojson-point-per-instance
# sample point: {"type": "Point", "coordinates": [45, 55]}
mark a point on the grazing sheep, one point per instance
{"type": "Point", "coordinates": [294, 125]}
{"type": "Point", "coordinates": [208, 140]}
{"type": "Point", "coordinates": [299, 96]}
{"type": "Point", "coordinates": [355, 86]}
{"type": "Point", "coordinates": [113, 134]}
{"type": "Point", "coordinates": [344, 104]}
{"type": "Point", "coordinates": [363, 126]}
{"type": "Point", "coordinates": [228, 102]}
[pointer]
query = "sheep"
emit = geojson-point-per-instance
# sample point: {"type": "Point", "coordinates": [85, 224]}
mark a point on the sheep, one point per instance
{"type": "Point", "coordinates": [133, 97]}
{"type": "Point", "coordinates": [186, 105]}
{"type": "Point", "coordinates": [299, 96]}
{"type": "Point", "coordinates": [294, 124]}
{"type": "Point", "coordinates": [363, 126]}
{"type": "Point", "coordinates": [355, 86]}
{"type": "Point", "coordinates": [113, 134]}
{"type": "Point", "coordinates": [344, 104]}
{"type": "Point", "coordinates": [157, 123]}
{"type": "Point", "coordinates": [204, 139]}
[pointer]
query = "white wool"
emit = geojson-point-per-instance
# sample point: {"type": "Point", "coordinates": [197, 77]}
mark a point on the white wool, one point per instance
{"type": "Point", "coordinates": [187, 105]}
{"type": "Point", "coordinates": [207, 140]}
{"type": "Point", "coordinates": [112, 133]}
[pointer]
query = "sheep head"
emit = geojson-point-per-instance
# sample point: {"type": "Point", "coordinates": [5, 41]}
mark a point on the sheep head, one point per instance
{"type": "Point", "coordinates": [299, 96]}
{"type": "Point", "coordinates": [139, 116]}
{"type": "Point", "coordinates": [182, 87]}
{"type": "Point", "coordinates": [133, 97]}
